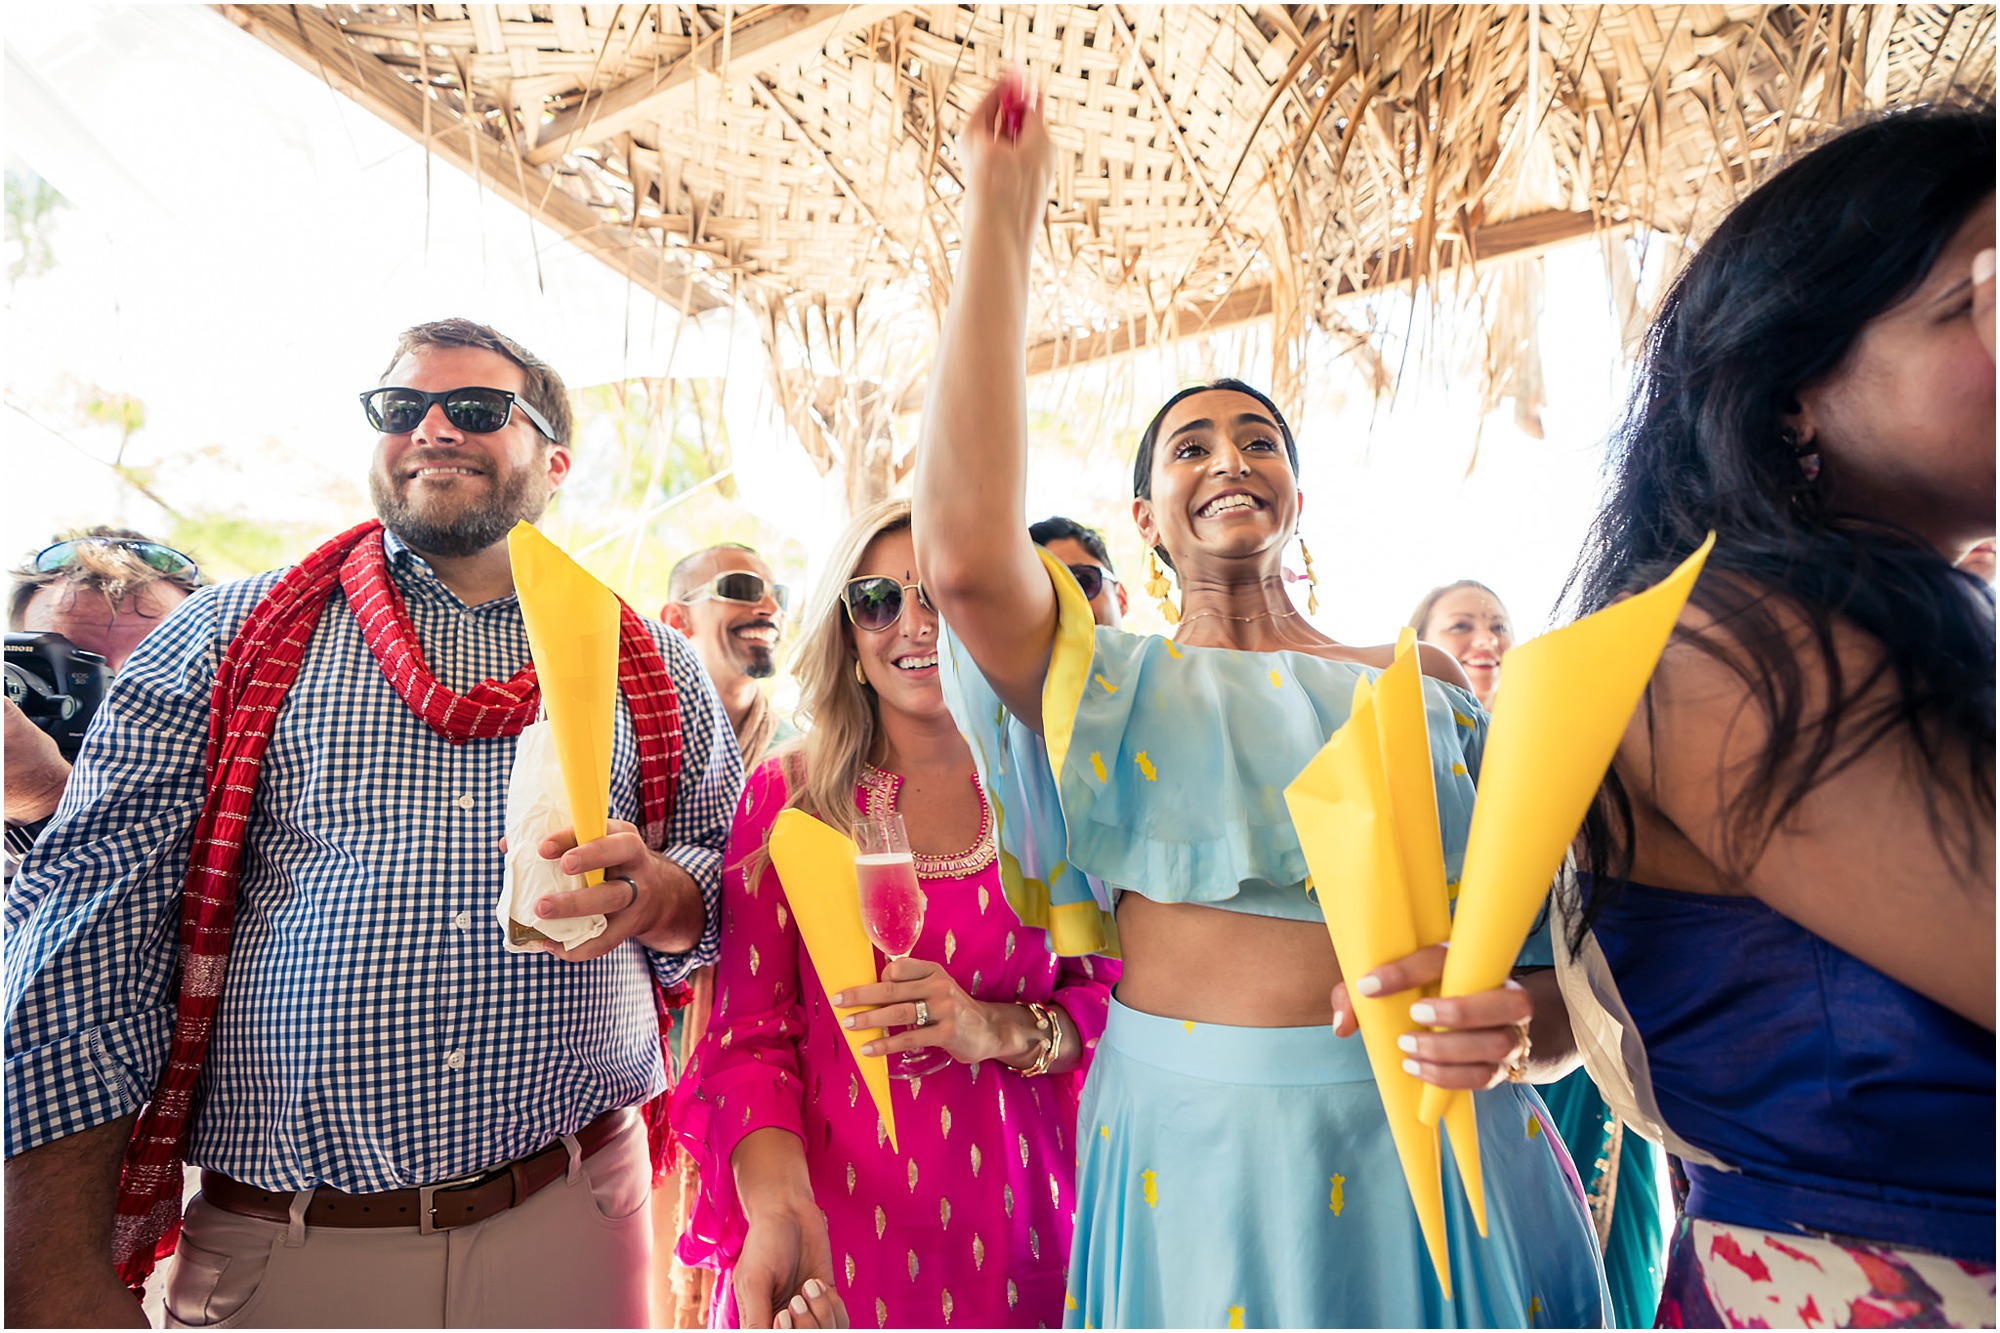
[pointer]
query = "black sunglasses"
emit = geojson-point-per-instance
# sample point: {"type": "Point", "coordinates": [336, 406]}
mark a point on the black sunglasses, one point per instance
{"type": "Point", "coordinates": [876, 601]}
{"type": "Point", "coordinates": [397, 410]}
{"type": "Point", "coordinates": [1092, 578]}
{"type": "Point", "coordinates": [740, 585]}
{"type": "Point", "coordinates": [173, 564]}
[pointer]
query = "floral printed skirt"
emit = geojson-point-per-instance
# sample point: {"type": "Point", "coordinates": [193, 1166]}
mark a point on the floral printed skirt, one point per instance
{"type": "Point", "coordinates": [1725, 1276]}
{"type": "Point", "coordinates": [1232, 1177]}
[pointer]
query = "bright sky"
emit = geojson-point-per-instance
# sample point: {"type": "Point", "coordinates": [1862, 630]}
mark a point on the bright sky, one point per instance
{"type": "Point", "coordinates": [243, 245]}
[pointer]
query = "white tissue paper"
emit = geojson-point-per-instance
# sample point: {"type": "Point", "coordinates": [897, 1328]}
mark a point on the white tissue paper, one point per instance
{"type": "Point", "coordinates": [537, 808]}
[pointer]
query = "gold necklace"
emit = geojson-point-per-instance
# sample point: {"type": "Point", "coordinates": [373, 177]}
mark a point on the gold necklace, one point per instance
{"type": "Point", "coordinates": [1261, 615]}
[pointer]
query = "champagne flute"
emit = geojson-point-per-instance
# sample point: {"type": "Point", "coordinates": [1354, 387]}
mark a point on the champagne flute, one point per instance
{"type": "Point", "coordinates": [892, 912]}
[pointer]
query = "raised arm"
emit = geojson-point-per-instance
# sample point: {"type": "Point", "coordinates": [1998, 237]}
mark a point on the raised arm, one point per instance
{"type": "Point", "coordinates": [970, 517]}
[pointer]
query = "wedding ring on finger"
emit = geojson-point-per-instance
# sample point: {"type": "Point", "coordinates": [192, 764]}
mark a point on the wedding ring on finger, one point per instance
{"type": "Point", "coordinates": [631, 884]}
{"type": "Point", "coordinates": [923, 1014]}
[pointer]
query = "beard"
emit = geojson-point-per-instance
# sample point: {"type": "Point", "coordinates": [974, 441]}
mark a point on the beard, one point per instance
{"type": "Point", "coordinates": [760, 663]}
{"type": "Point", "coordinates": [458, 529]}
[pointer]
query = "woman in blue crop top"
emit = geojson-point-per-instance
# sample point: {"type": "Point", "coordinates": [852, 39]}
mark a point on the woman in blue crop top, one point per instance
{"type": "Point", "coordinates": [1235, 1168]}
{"type": "Point", "coordinates": [1783, 935]}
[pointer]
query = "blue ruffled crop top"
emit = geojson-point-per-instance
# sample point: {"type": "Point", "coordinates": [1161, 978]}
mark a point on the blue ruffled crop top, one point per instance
{"type": "Point", "coordinates": [1847, 1102]}
{"type": "Point", "coordinates": [1162, 771]}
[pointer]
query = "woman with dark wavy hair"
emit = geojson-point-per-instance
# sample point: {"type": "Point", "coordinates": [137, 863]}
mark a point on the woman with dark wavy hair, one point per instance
{"type": "Point", "coordinates": [1781, 955]}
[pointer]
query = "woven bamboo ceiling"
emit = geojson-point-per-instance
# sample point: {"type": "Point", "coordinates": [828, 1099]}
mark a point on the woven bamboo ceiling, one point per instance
{"type": "Point", "coordinates": [1217, 164]}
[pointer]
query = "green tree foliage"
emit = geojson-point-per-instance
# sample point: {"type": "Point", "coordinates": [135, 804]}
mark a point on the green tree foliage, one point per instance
{"type": "Point", "coordinates": [32, 204]}
{"type": "Point", "coordinates": [653, 481]}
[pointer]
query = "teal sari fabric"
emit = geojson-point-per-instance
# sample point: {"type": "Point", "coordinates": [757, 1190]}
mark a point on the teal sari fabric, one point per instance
{"type": "Point", "coordinates": [1230, 1176]}
{"type": "Point", "coordinates": [1615, 1164]}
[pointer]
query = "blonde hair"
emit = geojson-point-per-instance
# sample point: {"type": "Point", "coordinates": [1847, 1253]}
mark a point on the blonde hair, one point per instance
{"type": "Point", "coordinates": [836, 711]}
{"type": "Point", "coordinates": [102, 562]}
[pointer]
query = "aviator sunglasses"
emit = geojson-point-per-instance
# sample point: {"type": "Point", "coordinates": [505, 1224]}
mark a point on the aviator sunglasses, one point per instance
{"type": "Point", "coordinates": [169, 562]}
{"type": "Point", "coordinates": [475, 409]}
{"type": "Point", "coordinates": [740, 585]}
{"type": "Point", "coordinates": [875, 602]}
{"type": "Point", "coordinates": [1092, 578]}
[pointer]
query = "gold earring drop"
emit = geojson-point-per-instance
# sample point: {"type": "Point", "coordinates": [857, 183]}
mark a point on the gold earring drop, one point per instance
{"type": "Point", "coordinates": [1312, 580]}
{"type": "Point", "coordinates": [1157, 588]}
{"type": "Point", "coordinates": [859, 675]}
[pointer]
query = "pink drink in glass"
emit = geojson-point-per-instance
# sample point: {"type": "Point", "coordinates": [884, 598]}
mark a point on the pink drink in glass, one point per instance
{"type": "Point", "coordinates": [892, 906]}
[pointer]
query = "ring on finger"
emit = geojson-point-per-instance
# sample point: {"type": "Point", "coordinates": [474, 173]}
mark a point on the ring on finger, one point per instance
{"type": "Point", "coordinates": [923, 1014]}
{"type": "Point", "coordinates": [631, 884]}
{"type": "Point", "coordinates": [1517, 1062]}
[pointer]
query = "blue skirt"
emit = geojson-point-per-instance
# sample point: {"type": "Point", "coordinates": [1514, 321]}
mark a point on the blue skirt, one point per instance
{"type": "Point", "coordinates": [1235, 1177]}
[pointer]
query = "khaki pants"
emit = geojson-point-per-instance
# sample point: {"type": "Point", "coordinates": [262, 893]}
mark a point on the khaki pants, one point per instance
{"type": "Point", "coordinates": [575, 1255]}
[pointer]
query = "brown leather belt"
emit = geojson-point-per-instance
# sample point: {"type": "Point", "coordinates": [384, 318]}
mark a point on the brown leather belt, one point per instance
{"type": "Point", "coordinates": [429, 1208]}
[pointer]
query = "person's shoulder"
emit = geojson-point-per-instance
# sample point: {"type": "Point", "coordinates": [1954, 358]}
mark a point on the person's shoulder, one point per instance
{"type": "Point", "coordinates": [1740, 628]}
{"type": "Point", "coordinates": [211, 613]}
{"type": "Point", "coordinates": [1441, 666]}
{"type": "Point", "coordinates": [239, 597]}
{"type": "Point", "coordinates": [674, 648]}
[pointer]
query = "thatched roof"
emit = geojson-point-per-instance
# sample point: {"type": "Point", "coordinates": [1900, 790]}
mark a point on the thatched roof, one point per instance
{"type": "Point", "coordinates": [1217, 163]}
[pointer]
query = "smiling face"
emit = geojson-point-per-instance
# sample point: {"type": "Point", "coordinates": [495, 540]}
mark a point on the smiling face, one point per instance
{"type": "Point", "coordinates": [732, 638]}
{"type": "Point", "coordinates": [1471, 625]}
{"type": "Point", "coordinates": [454, 493]}
{"type": "Point", "coordinates": [900, 661]}
{"type": "Point", "coordinates": [1904, 425]}
{"type": "Point", "coordinates": [1223, 488]}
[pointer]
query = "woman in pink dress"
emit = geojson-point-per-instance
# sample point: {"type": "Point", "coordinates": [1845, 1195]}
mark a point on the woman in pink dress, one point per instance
{"type": "Point", "coordinates": [805, 1207]}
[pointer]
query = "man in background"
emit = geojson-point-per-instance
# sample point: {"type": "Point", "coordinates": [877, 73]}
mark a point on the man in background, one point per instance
{"type": "Point", "coordinates": [725, 601]}
{"type": "Point", "coordinates": [732, 611]}
{"type": "Point", "coordinates": [103, 589]}
{"type": "Point", "coordinates": [1083, 550]}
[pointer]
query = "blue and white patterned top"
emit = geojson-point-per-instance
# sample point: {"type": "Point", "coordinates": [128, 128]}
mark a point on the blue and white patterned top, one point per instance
{"type": "Point", "coordinates": [1162, 771]}
{"type": "Point", "coordinates": [373, 1032]}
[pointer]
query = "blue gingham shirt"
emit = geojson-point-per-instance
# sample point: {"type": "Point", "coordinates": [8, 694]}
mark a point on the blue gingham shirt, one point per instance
{"type": "Point", "coordinates": [373, 1032]}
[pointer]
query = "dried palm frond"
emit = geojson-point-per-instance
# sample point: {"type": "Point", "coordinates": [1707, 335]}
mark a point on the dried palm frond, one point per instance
{"type": "Point", "coordinates": [1215, 164]}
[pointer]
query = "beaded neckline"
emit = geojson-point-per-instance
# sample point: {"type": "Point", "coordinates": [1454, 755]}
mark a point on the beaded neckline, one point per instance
{"type": "Point", "coordinates": [880, 788]}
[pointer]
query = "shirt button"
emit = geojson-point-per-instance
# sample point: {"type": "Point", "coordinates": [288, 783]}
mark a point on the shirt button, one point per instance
{"type": "Point", "coordinates": [465, 801]}
{"type": "Point", "coordinates": [463, 920]}
{"type": "Point", "coordinates": [456, 1060]}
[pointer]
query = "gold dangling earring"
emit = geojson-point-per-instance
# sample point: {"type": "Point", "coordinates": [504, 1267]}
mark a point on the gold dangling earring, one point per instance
{"type": "Point", "coordinates": [860, 676]}
{"type": "Point", "coordinates": [1157, 588]}
{"type": "Point", "coordinates": [1312, 580]}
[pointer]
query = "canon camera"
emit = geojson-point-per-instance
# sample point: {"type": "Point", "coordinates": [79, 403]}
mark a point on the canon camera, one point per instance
{"type": "Point", "coordinates": [57, 684]}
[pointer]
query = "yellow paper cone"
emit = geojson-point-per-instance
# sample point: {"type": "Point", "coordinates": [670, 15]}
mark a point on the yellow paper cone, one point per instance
{"type": "Point", "coordinates": [1461, 1126]}
{"type": "Point", "coordinates": [1406, 759]}
{"type": "Point", "coordinates": [572, 623]}
{"type": "Point", "coordinates": [1340, 809]}
{"type": "Point", "coordinates": [1567, 700]}
{"type": "Point", "coordinates": [816, 866]}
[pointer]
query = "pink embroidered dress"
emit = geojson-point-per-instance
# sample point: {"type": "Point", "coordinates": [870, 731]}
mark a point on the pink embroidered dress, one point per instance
{"type": "Point", "coordinates": [969, 1226]}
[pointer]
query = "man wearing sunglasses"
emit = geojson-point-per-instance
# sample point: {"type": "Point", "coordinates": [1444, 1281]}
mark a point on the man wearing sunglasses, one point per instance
{"type": "Point", "coordinates": [725, 601]}
{"type": "Point", "coordinates": [1083, 550]}
{"type": "Point", "coordinates": [103, 589]}
{"type": "Point", "coordinates": [732, 611]}
{"type": "Point", "coordinates": [398, 1122]}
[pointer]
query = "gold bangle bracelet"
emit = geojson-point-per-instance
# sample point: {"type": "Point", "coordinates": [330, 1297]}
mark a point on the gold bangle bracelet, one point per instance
{"type": "Point", "coordinates": [1051, 1034]}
